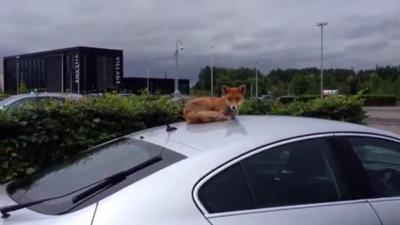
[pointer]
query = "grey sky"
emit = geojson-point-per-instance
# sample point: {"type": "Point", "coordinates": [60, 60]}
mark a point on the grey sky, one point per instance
{"type": "Point", "coordinates": [276, 33]}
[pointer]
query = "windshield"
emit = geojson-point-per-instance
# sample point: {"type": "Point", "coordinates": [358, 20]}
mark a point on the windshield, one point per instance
{"type": "Point", "coordinates": [5, 102]}
{"type": "Point", "coordinates": [82, 170]}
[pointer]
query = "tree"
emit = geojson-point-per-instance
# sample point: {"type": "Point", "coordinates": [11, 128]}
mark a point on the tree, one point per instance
{"type": "Point", "coordinates": [299, 85]}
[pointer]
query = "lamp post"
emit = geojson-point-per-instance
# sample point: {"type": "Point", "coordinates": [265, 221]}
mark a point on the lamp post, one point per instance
{"type": "Point", "coordinates": [322, 24]}
{"type": "Point", "coordinates": [148, 79]}
{"type": "Point", "coordinates": [178, 47]}
{"type": "Point", "coordinates": [212, 71]}
{"type": "Point", "coordinates": [17, 61]}
{"type": "Point", "coordinates": [256, 95]}
{"type": "Point", "coordinates": [62, 73]}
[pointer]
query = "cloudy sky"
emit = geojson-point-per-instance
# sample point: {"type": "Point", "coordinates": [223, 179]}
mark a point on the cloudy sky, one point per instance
{"type": "Point", "coordinates": [276, 33]}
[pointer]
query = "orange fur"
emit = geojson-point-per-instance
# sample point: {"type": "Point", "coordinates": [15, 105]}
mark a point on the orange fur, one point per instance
{"type": "Point", "coordinates": [212, 109]}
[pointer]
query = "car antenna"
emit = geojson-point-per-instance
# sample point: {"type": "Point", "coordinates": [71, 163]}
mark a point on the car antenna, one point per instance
{"type": "Point", "coordinates": [169, 128]}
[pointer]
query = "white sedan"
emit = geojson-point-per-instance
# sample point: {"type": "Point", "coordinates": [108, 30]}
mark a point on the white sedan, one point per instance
{"type": "Point", "coordinates": [16, 101]}
{"type": "Point", "coordinates": [252, 170]}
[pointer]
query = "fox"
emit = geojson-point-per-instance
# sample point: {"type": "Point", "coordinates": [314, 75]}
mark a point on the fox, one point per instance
{"type": "Point", "coordinates": [213, 109]}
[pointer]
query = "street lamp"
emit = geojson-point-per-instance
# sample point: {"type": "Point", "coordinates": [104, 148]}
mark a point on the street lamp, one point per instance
{"type": "Point", "coordinates": [212, 71]}
{"type": "Point", "coordinates": [322, 24]}
{"type": "Point", "coordinates": [178, 47]}
{"type": "Point", "coordinates": [17, 62]}
{"type": "Point", "coordinates": [148, 79]}
{"type": "Point", "coordinates": [256, 81]}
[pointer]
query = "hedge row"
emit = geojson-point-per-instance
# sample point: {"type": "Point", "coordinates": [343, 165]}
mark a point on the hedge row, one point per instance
{"type": "Point", "coordinates": [379, 100]}
{"type": "Point", "coordinates": [334, 107]}
{"type": "Point", "coordinates": [51, 130]}
{"type": "Point", "coordinates": [368, 100]}
{"type": "Point", "coordinates": [302, 98]}
{"type": "Point", "coordinates": [38, 135]}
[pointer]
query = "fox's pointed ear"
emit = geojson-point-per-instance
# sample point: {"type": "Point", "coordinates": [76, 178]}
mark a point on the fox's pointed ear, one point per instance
{"type": "Point", "coordinates": [242, 89]}
{"type": "Point", "coordinates": [225, 89]}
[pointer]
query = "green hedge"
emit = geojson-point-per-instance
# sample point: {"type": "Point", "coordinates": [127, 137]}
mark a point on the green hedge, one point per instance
{"type": "Point", "coordinates": [306, 98]}
{"type": "Point", "coordinates": [379, 100]}
{"type": "Point", "coordinates": [334, 107]}
{"type": "Point", "coordinates": [286, 99]}
{"type": "Point", "coordinates": [35, 136]}
{"type": "Point", "coordinates": [50, 131]}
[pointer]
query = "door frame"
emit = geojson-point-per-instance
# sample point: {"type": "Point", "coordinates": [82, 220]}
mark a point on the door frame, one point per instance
{"type": "Point", "coordinates": [330, 136]}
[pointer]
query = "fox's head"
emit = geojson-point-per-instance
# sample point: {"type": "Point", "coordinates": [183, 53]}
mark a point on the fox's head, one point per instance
{"type": "Point", "coordinates": [234, 97]}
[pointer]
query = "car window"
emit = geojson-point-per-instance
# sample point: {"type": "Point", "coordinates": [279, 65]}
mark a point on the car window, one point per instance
{"type": "Point", "coordinates": [302, 172]}
{"type": "Point", "coordinates": [22, 102]}
{"type": "Point", "coordinates": [381, 160]}
{"type": "Point", "coordinates": [226, 191]}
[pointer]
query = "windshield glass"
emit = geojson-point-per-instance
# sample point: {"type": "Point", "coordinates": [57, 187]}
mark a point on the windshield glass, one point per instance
{"type": "Point", "coordinates": [82, 170]}
{"type": "Point", "coordinates": [5, 102]}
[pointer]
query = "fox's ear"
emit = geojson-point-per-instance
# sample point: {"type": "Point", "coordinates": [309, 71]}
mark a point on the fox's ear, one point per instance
{"type": "Point", "coordinates": [242, 89]}
{"type": "Point", "coordinates": [225, 89]}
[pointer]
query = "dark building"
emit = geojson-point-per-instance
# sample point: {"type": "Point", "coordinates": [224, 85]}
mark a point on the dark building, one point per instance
{"type": "Point", "coordinates": [156, 85]}
{"type": "Point", "coordinates": [77, 69]}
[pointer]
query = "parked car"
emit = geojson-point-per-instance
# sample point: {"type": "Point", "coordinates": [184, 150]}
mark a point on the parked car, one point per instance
{"type": "Point", "coordinates": [17, 101]}
{"type": "Point", "coordinates": [181, 99]}
{"type": "Point", "coordinates": [252, 170]}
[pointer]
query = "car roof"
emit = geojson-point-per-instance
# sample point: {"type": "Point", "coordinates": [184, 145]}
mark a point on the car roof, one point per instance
{"type": "Point", "coordinates": [249, 132]}
{"type": "Point", "coordinates": [14, 98]}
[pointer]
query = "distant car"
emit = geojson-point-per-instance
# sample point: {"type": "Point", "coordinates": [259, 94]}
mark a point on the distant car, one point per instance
{"type": "Point", "coordinates": [253, 170]}
{"type": "Point", "coordinates": [16, 101]}
{"type": "Point", "coordinates": [180, 98]}
{"type": "Point", "coordinates": [127, 94]}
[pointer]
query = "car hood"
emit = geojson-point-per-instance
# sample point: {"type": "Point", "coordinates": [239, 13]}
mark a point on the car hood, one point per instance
{"type": "Point", "coordinates": [29, 217]}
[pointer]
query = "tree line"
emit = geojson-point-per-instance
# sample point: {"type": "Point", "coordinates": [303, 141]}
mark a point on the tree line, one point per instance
{"type": "Point", "coordinates": [280, 82]}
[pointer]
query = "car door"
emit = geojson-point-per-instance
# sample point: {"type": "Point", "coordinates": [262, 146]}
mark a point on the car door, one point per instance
{"type": "Point", "coordinates": [380, 158]}
{"type": "Point", "coordinates": [295, 182]}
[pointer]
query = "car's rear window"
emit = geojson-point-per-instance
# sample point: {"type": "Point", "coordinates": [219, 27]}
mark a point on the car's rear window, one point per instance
{"type": "Point", "coordinates": [88, 168]}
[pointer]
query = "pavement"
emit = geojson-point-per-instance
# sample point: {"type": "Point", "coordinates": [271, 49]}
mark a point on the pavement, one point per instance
{"type": "Point", "coordinates": [386, 118]}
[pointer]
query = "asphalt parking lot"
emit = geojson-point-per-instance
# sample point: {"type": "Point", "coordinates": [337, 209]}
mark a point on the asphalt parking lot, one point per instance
{"type": "Point", "coordinates": [386, 118]}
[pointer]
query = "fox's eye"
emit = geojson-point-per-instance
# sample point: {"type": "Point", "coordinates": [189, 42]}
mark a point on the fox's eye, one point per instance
{"type": "Point", "coordinates": [230, 99]}
{"type": "Point", "coordinates": [237, 99]}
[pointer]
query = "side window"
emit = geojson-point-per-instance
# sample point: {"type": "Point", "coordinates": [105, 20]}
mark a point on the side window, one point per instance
{"type": "Point", "coordinates": [297, 173]}
{"type": "Point", "coordinates": [381, 160]}
{"type": "Point", "coordinates": [226, 191]}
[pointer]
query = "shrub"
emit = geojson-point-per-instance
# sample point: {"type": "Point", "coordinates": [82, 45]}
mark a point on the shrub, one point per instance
{"type": "Point", "coordinates": [256, 107]}
{"type": "Point", "coordinates": [3, 96]}
{"type": "Point", "coordinates": [334, 107]}
{"type": "Point", "coordinates": [347, 109]}
{"type": "Point", "coordinates": [306, 98]}
{"type": "Point", "coordinates": [379, 100]}
{"type": "Point", "coordinates": [36, 135]}
{"type": "Point", "coordinates": [52, 130]}
{"type": "Point", "coordinates": [286, 99]}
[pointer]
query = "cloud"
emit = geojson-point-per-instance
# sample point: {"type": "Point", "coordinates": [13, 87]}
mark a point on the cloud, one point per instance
{"type": "Point", "coordinates": [360, 34]}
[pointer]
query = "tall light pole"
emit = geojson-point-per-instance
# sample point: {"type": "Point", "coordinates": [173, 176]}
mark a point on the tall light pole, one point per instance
{"type": "Point", "coordinates": [148, 79]}
{"type": "Point", "coordinates": [17, 62]}
{"type": "Point", "coordinates": [62, 73]}
{"type": "Point", "coordinates": [322, 24]}
{"type": "Point", "coordinates": [256, 95]}
{"type": "Point", "coordinates": [178, 47]}
{"type": "Point", "coordinates": [212, 71]}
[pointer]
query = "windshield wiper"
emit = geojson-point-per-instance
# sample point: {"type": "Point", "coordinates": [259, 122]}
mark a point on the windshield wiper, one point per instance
{"type": "Point", "coordinates": [95, 188]}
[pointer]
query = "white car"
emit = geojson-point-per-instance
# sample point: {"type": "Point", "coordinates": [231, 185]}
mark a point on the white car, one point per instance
{"type": "Point", "coordinates": [253, 170]}
{"type": "Point", "coordinates": [16, 101]}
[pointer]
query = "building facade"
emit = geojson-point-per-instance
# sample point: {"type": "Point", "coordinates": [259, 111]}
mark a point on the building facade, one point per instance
{"type": "Point", "coordinates": [1, 83]}
{"type": "Point", "coordinates": [77, 69]}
